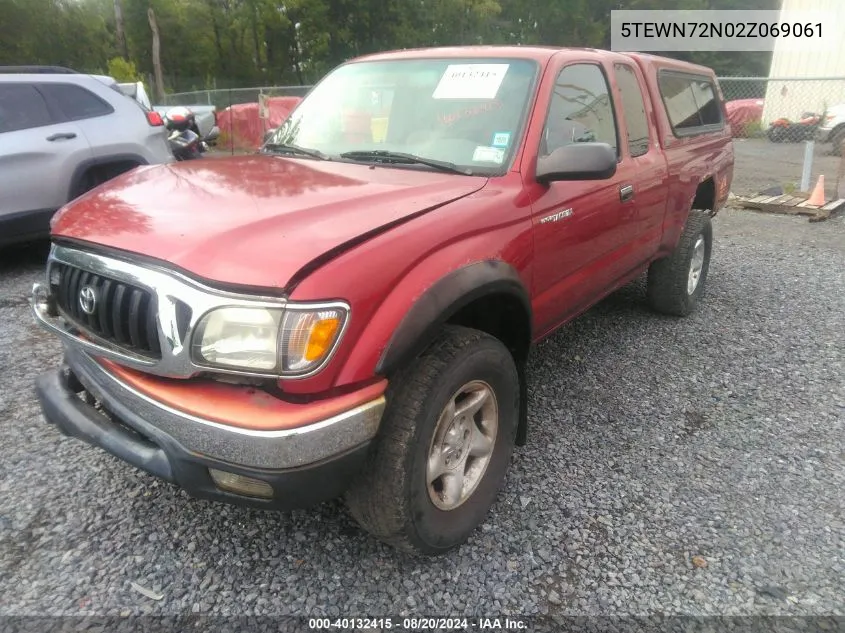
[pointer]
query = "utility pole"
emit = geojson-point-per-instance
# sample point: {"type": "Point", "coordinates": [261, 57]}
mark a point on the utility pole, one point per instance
{"type": "Point", "coordinates": [159, 77]}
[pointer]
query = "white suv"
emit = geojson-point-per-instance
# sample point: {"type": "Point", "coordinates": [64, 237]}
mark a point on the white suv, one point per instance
{"type": "Point", "coordinates": [61, 134]}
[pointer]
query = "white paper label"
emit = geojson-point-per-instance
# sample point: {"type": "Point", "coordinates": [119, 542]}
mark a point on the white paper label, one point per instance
{"type": "Point", "coordinates": [470, 81]}
{"type": "Point", "coordinates": [484, 154]}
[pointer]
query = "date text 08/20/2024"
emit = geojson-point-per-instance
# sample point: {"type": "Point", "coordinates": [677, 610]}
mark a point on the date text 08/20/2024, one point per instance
{"type": "Point", "coordinates": [419, 624]}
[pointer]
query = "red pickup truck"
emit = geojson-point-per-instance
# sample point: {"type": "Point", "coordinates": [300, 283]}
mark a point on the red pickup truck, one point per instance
{"type": "Point", "coordinates": [350, 311]}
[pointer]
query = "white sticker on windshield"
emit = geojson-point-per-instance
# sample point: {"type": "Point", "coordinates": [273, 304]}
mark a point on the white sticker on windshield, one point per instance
{"type": "Point", "coordinates": [484, 154]}
{"type": "Point", "coordinates": [470, 81]}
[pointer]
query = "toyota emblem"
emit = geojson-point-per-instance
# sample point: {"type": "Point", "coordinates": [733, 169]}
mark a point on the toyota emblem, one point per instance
{"type": "Point", "coordinates": [88, 299]}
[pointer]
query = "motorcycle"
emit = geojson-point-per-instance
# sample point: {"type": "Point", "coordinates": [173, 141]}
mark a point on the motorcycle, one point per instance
{"type": "Point", "coordinates": [184, 137]}
{"type": "Point", "coordinates": [785, 131]}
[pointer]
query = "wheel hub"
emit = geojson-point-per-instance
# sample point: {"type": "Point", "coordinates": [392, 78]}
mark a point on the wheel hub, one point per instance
{"type": "Point", "coordinates": [462, 445]}
{"type": "Point", "coordinates": [456, 442]}
{"type": "Point", "coordinates": [696, 265]}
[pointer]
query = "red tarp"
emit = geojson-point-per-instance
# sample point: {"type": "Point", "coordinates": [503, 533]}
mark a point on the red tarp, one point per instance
{"type": "Point", "coordinates": [241, 128]}
{"type": "Point", "coordinates": [741, 113]}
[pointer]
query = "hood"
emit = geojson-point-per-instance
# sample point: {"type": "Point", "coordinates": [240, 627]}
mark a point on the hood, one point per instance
{"type": "Point", "coordinates": [253, 220]}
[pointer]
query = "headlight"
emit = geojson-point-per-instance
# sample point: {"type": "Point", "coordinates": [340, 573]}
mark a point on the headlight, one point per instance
{"type": "Point", "coordinates": [242, 338]}
{"type": "Point", "coordinates": [290, 341]}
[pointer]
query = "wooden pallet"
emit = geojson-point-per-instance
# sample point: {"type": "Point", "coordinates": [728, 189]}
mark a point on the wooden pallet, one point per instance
{"type": "Point", "coordinates": [792, 204]}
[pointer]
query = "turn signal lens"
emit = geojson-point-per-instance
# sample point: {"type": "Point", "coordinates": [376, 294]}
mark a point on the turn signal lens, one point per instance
{"type": "Point", "coordinates": [320, 338]}
{"type": "Point", "coordinates": [308, 337]}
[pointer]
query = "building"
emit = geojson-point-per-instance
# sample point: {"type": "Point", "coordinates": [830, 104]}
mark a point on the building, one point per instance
{"type": "Point", "coordinates": [825, 69]}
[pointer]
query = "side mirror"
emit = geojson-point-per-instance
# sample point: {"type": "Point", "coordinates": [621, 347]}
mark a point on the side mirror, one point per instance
{"type": "Point", "coordinates": [577, 161]}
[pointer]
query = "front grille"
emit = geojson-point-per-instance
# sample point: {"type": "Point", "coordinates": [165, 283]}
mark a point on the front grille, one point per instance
{"type": "Point", "coordinates": [122, 314]}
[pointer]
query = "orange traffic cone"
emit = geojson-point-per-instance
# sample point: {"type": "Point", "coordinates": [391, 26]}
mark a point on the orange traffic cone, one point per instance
{"type": "Point", "coordinates": [816, 199]}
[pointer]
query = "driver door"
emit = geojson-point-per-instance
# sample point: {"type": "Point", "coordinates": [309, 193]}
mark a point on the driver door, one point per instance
{"type": "Point", "coordinates": [579, 226]}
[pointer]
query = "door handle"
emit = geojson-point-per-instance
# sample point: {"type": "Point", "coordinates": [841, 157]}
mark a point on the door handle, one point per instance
{"type": "Point", "coordinates": [61, 135]}
{"type": "Point", "coordinates": [626, 192]}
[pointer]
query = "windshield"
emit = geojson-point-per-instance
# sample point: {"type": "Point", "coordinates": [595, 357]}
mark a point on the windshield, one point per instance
{"type": "Point", "coordinates": [464, 112]}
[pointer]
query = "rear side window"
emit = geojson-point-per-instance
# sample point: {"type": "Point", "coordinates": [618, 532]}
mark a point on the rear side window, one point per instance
{"type": "Point", "coordinates": [76, 102]}
{"type": "Point", "coordinates": [22, 107]}
{"type": "Point", "coordinates": [634, 108]}
{"type": "Point", "coordinates": [691, 103]}
{"type": "Point", "coordinates": [581, 110]}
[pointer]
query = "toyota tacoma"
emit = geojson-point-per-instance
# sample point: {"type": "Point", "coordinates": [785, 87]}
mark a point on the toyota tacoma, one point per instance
{"type": "Point", "coordinates": [350, 311]}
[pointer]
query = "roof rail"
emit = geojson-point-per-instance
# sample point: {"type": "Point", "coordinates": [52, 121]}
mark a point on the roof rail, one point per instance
{"type": "Point", "coordinates": [43, 70]}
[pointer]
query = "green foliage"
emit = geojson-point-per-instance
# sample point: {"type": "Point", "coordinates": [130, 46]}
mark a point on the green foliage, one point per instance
{"type": "Point", "coordinates": [754, 129]}
{"type": "Point", "coordinates": [122, 70]}
{"type": "Point", "coordinates": [236, 43]}
{"type": "Point", "coordinates": [60, 32]}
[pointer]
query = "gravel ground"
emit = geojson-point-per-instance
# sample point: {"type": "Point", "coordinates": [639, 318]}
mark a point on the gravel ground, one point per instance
{"type": "Point", "coordinates": [690, 466]}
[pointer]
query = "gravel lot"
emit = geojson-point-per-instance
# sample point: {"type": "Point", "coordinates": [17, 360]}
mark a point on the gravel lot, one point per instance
{"type": "Point", "coordinates": [656, 445]}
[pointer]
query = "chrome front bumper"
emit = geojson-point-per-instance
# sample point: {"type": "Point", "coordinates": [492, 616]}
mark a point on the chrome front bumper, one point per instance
{"type": "Point", "coordinates": [267, 471]}
{"type": "Point", "coordinates": [282, 449]}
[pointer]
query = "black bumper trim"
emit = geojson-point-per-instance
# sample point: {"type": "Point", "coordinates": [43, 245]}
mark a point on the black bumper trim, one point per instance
{"type": "Point", "coordinates": [73, 417]}
{"type": "Point", "coordinates": [148, 448]}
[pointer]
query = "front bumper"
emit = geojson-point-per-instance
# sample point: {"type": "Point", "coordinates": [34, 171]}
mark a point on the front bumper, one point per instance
{"type": "Point", "coordinates": [303, 466]}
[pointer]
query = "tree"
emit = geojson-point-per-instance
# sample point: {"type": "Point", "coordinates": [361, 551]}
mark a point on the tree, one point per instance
{"type": "Point", "coordinates": [159, 77]}
{"type": "Point", "coordinates": [122, 70]}
{"type": "Point", "coordinates": [235, 43]}
{"type": "Point", "coordinates": [120, 31]}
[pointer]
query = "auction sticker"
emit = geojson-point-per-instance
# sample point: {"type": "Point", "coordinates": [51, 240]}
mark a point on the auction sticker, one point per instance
{"type": "Point", "coordinates": [484, 154]}
{"type": "Point", "coordinates": [470, 81]}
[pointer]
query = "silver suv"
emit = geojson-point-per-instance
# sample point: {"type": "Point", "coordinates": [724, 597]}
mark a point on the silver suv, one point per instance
{"type": "Point", "coordinates": [61, 134]}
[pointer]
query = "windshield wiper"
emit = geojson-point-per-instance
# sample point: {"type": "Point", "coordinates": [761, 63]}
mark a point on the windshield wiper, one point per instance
{"type": "Point", "coordinates": [295, 149]}
{"type": "Point", "coordinates": [401, 157]}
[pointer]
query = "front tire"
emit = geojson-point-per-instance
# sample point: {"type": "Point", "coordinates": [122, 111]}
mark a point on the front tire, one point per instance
{"type": "Point", "coordinates": [444, 445]}
{"type": "Point", "coordinates": [676, 283]}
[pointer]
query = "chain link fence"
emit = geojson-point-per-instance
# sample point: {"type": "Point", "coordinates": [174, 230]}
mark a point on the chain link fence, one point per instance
{"type": "Point", "coordinates": [226, 97]}
{"type": "Point", "coordinates": [771, 120]}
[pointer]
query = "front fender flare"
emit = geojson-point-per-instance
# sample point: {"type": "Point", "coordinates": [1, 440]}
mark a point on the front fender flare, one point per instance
{"type": "Point", "coordinates": [445, 298]}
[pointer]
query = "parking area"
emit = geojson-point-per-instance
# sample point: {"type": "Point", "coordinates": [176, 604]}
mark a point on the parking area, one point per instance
{"type": "Point", "coordinates": [688, 466]}
{"type": "Point", "coordinates": [761, 164]}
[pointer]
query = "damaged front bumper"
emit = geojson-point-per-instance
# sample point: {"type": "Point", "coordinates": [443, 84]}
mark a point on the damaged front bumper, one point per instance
{"type": "Point", "coordinates": [286, 468]}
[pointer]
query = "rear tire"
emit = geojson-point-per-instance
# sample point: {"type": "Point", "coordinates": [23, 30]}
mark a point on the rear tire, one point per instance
{"type": "Point", "coordinates": [676, 283]}
{"type": "Point", "coordinates": [397, 497]}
